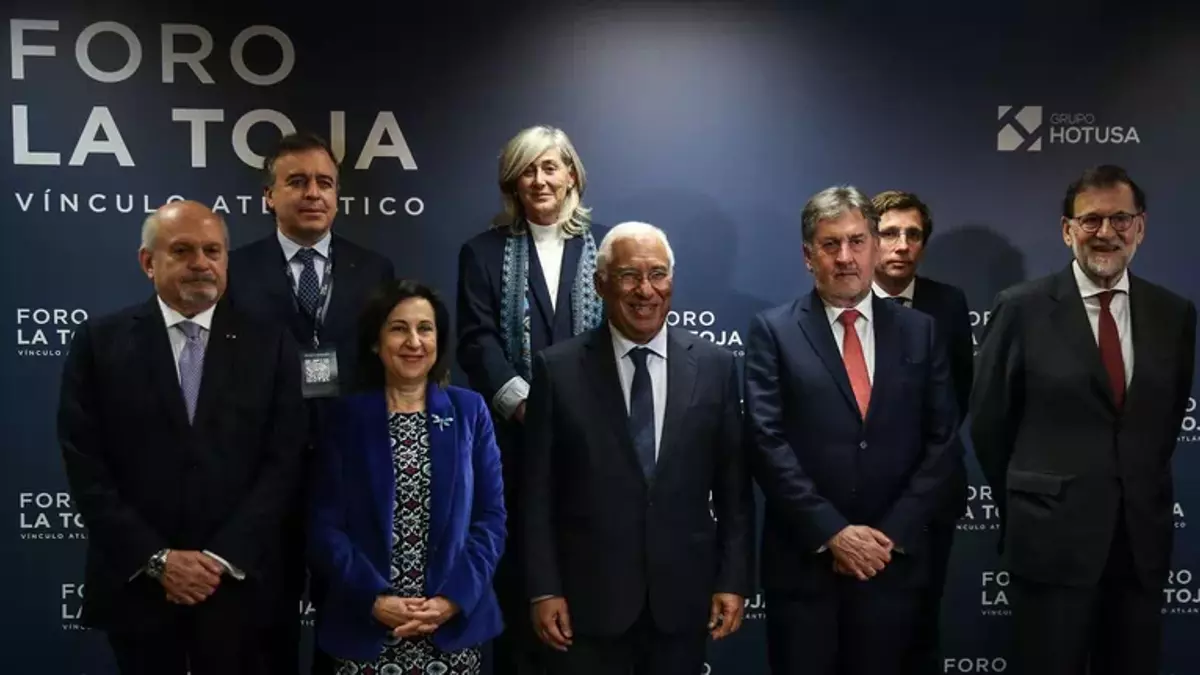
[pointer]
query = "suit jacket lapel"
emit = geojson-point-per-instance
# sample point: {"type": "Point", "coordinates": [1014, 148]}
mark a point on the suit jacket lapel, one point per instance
{"type": "Point", "coordinates": [376, 443]}
{"type": "Point", "coordinates": [343, 290]}
{"type": "Point", "coordinates": [681, 380]}
{"type": "Point", "coordinates": [537, 286]}
{"type": "Point", "coordinates": [815, 324]}
{"type": "Point", "coordinates": [604, 382]}
{"type": "Point", "coordinates": [151, 334]}
{"type": "Point", "coordinates": [218, 361]}
{"type": "Point", "coordinates": [572, 249]}
{"type": "Point", "coordinates": [276, 277]}
{"type": "Point", "coordinates": [1073, 327]}
{"type": "Point", "coordinates": [889, 352]}
{"type": "Point", "coordinates": [1145, 336]}
{"type": "Point", "coordinates": [444, 450]}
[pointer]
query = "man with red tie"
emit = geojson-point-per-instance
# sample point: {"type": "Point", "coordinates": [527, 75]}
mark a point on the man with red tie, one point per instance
{"type": "Point", "coordinates": [1080, 390]}
{"type": "Point", "coordinates": [852, 428]}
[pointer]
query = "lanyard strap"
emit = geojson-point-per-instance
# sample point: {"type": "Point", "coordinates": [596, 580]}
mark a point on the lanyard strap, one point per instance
{"type": "Point", "coordinates": [318, 317]}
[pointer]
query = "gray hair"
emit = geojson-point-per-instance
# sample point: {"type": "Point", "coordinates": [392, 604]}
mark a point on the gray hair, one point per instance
{"type": "Point", "coordinates": [152, 221]}
{"type": "Point", "coordinates": [631, 230]}
{"type": "Point", "coordinates": [521, 151]}
{"type": "Point", "coordinates": [832, 203]}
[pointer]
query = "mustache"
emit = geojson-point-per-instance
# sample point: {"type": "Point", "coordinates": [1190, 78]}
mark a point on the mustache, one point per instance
{"type": "Point", "coordinates": [205, 277]}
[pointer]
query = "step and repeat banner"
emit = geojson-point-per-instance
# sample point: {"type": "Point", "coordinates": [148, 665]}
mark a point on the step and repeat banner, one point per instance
{"type": "Point", "coordinates": [713, 121]}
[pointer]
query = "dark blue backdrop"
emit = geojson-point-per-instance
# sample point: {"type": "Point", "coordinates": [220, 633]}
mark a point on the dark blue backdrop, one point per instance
{"type": "Point", "coordinates": [714, 121]}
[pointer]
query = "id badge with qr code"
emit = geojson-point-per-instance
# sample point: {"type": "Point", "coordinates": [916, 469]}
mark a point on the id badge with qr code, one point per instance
{"type": "Point", "coordinates": [319, 373]}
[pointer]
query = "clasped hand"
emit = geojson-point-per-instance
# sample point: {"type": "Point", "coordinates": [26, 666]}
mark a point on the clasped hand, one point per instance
{"type": "Point", "coordinates": [413, 617]}
{"type": "Point", "coordinates": [860, 551]}
{"type": "Point", "coordinates": [190, 577]}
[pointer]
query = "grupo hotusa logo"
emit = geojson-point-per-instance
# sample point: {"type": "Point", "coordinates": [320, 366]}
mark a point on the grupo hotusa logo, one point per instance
{"type": "Point", "coordinates": [1181, 595]}
{"type": "Point", "coordinates": [705, 324]}
{"type": "Point", "coordinates": [974, 664]}
{"type": "Point", "coordinates": [1031, 128]}
{"type": "Point", "coordinates": [981, 514]}
{"type": "Point", "coordinates": [70, 598]}
{"type": "Point", "coordinates": [1187, 429]}
{"type": "Point", "coordinates": [47, 50]}
{"type": "Point", "coordinates": [979, 321]}
{"type": "Point", "coordinates": [47, 331]}
{"type": "Point", "coordinates": [48, 516]}
{"type": "Point", "coordinates": [756, 607]}
{"type": "Point", "coordinates": [994, 596]}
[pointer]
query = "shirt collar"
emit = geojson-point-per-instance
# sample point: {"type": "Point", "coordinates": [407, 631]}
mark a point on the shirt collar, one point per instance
{"type": "Point", "coordinates": [907, 293]}
{"type": "Point", "coordinates": [622, 344]}
{"type": "Point", "coordinates": [291, 248]}
{"type": "Point", "coordinates": [864, 308]}
{"type": "Point", "coordinates": [171, 317]}
{"type": "Point", "coordinates": [1088, 288]}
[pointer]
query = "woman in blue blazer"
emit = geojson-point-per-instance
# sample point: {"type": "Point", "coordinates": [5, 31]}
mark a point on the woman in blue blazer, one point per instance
{"type": "Point", "coordinates": [408, 518]}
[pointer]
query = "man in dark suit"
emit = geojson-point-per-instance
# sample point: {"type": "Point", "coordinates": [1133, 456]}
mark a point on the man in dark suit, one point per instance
{"type": "Point", "coordinates": [181, 426]}
{"type": "Point", "coordinates": [313, 283]}
{"type": "Point", "coordinates": [1083, 379]}
{"type": "Point", "coordinates": [905, 225]}
{"type": "Point", "coordinates": [853, 432]}
{"type": "Point", "coordinates": [631, 427]}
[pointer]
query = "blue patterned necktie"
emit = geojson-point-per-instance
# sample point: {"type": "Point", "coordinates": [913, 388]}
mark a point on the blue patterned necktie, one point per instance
{"type": "Point", "coordinates": [641, 410]}
{"type": "Point", "coordinates": [191, 365]}
{"type": "Point", "coordinates": [307, 288]}
{"type": "Point", "coordinates": [899, 300]}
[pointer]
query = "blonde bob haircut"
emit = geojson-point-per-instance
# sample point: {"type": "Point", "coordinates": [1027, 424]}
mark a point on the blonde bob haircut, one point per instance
{"type": "Point", "coordinates": [521, 151]}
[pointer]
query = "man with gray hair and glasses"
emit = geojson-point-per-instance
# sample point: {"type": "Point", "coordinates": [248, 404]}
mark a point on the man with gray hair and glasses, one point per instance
{"type": "Point", "coordinates": [1081, 385]}
{"type": "Point", "coordinates": [852, 429]}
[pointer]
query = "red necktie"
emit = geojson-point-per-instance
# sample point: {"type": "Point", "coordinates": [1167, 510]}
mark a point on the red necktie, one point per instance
{"type": "Point", "coordinates": [856, 364]}
{"type": "Point", "coordinates": [1110, 349]}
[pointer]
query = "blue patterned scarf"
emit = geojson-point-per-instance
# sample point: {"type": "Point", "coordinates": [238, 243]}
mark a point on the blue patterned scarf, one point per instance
{"type": "Point", "coordinates": [587, 309]}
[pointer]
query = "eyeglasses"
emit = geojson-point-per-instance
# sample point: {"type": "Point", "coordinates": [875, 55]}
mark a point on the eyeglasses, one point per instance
{"type": "Point", "coordinates": [1120, 222]}
{"type": "Point", "coordinates": [630, 279]}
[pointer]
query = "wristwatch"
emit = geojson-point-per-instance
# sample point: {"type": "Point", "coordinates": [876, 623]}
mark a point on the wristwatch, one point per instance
{"type": "Point", "coordinates": [157, 564]}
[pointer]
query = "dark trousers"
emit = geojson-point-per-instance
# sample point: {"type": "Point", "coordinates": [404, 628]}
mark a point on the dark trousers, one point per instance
{"type": "Point", "coordinates": [197, 640]}
{"type": "Point", "coordinates": [641, 650]}
{"type": "Point", "coordinates": [850, 627]}
{"type": "Point", "coordinates": [516, 651]}
{"type": "Point", "coordinates": [924, 655]}
{"type": "Point", "coordinates": [1115, 626]}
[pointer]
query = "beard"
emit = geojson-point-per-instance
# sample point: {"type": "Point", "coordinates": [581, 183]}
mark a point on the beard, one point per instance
{"type": "Point", "coordinates": [1103, 265]}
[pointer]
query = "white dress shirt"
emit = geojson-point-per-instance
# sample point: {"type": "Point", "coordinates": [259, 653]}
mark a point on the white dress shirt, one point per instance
{"type": "Point", "coordinates": [1119, 306]}
{"type": "Point", "coordinates": [656, 363]}
{"type": "Point", "coordinates": [551, 243]}
{"type": "Point", "coordinates": [907, 293]}
{"type": "Point", "coordinates": [291, 248]}
{"type": "Point", "coordinates": [862, 325]}
{"type": "Point", "coordinates": [178, 339]}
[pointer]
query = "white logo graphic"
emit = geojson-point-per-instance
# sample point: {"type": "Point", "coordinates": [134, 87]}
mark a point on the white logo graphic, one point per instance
{"type": "Point", "coordinates": [1180, 595]}
{"type": "Point", "coordinates": [993, 599]}
{"type": "Point", "coordinates": [307, 612]}
{"type": "Point", "coordinates": [48, 516]}
{"type": "Point", "coordinates": [982, 513]}
{"type": "Point", "coordinates": [47, 331]}
{"type": "Point", "coordinates": [756, 608]}
{"type": "Point", "coordinates": [703, 323]}
{"type": "Point", "coordinates": [1020, 128]}
{"type": "Point", "coordinates": [1029, 128]}
{"type": "Point", "coordinates": [1180, 521]}
{"type": "Point", "coordinates": [978, 321]}
{"type": "Point", "coordinates": [979, 664]}
{"type": "Point", "coordinates": [1187, 430]}
{"type": "Point", "coordinates": [71, 606]}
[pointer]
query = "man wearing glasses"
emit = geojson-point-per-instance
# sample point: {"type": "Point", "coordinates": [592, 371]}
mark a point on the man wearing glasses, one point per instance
{"type": "Point", "coordinates": [1080, 390]}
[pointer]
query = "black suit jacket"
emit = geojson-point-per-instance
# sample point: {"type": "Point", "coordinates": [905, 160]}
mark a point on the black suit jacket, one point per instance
{"type": "Point", "coordinates": [260, 286]}
{"type": "Point", "coordinates": [948, 306]}
{"type": "Point", "coordinates": [145, 479]}
{"type": "Point", "coordinates": [596, 531]}
{"type": "Point", "coordinates": [821, 466]}
{"type": "Point", "coordinates": [1064, 463]}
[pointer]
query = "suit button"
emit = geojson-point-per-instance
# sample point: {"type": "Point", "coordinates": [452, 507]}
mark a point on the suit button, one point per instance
{"type": "Point", "coordinates": [862, 445]}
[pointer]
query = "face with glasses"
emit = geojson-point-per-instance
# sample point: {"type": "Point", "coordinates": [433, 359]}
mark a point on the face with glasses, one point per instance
{"type": "Point", "coordinates": [901, 244]}
{"type": "Point", "coordinates": [842, 257]}
{"type": "Point", "coordinates": [1105, 231]}
{"type": "Point", "coordinates": [636, 286]}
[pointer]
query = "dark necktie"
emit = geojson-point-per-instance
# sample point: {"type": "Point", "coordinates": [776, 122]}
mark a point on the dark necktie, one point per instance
{"type": "Point", "coordinates": [307, 288]}
{"type": "Point", "coordinates": [899, 300]}
{"type": "Point", "coordinates": [641, 410]}
{"type": "Point", "coordinates": [1110, 349]}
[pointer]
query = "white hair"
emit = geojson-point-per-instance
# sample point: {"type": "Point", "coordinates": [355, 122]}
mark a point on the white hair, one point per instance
{"type": "Point", "coordinates": [630, 230]}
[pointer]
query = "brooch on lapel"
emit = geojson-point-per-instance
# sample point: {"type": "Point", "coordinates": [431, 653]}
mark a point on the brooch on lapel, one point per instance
{"type": "Point", "coordinates": [441, 422]}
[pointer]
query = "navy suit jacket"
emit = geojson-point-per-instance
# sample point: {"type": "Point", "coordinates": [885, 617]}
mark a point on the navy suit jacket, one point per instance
{"type": "Point", "coordinates": [820, 465]}
{"type": "Point", "coordinates": [350, 537]}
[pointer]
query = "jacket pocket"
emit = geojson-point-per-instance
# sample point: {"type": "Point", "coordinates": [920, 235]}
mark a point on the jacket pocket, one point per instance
{"type": "Point", "coordinates": [1050, 484]}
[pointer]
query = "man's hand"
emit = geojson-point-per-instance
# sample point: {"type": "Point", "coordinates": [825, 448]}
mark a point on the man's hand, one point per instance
{"type": "Point", "coordinates": [190, 577]}
{"type": "Point", "coordinates": [552, 622]}
{"type": "Point", "coordinates": [426, 616]}
{"type": "Point", "coordinates": [860, 551]}
{"type": "Point", "coordinates": [725, 618]}
{"type": "Point", "coordinates": [519, 413]}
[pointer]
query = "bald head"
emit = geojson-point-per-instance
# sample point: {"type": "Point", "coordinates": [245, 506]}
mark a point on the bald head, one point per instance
{"type": "Point", "coordinates": [185, 252]}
